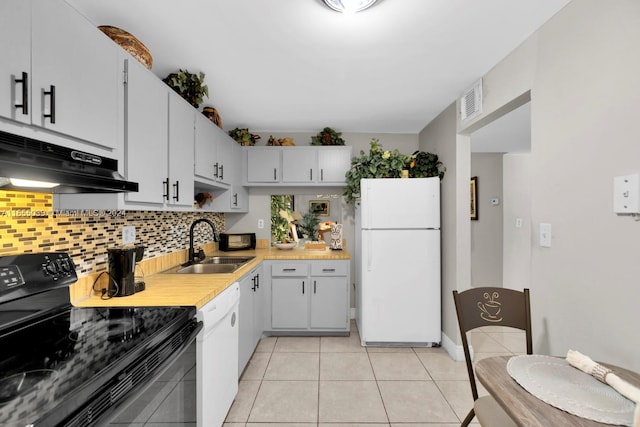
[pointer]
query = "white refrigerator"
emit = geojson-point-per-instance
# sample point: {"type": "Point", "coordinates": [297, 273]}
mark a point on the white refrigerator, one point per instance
{"type": "Point", "coordinates": [398, 289]}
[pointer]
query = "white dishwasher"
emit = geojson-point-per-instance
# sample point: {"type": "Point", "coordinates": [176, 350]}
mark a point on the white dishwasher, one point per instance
{"type": "Point", "coordinates": [217, 357]}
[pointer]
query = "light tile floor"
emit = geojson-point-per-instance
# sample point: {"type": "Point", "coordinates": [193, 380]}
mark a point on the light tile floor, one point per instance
{"type": "Point", "coordinates": [334, 381]}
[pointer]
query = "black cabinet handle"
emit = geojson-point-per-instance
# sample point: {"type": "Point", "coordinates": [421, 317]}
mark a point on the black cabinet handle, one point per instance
{"type": "Point", "coordinates": [165, 192]}
{"type": "Point", "coordinates": [25, 93]}
{"type": "Point", "coordinates": [257, 280]}
{"type": "Point", "coordinates": [215, 170]}
{"type": "Point", "coordinates": [288, 269]}
{"type": "Point", "coordinates": [52, 104]}
{"type": "Point", "coordinates": [321, 174]}
{"type": "Point", "coordinates": [235, 199]}
{"type": "Point", "coordinates": [253, 279]}
{"type": "Point", "coordinates": [303, 287]}
{"type": "Point", "coordinates": [274, 174]}
{"type": "Point", "coordinates": [314, 286]}
{"type": "Point", "coordinates": [176, 186]}
{"type": "Point", "coordinates": [328, 270]}
{"type": "Point", "coordinates": [310, 174]}
{"type": "Point", "coordinates": [221, 171]}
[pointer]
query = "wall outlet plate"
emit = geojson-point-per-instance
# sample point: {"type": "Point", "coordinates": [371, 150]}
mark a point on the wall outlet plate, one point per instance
{"type": "Point", "coordinates": [128, 234]}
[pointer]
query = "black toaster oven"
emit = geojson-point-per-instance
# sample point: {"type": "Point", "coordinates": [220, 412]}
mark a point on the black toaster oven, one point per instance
{"type": "Point", "coordinates": [237, 241]}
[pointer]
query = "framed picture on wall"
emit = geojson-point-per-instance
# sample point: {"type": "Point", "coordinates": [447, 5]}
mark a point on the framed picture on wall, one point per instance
{"type": "Point", "coordinates": [319, 207]}
{"type": "Point", "coordinates": [474, 198]}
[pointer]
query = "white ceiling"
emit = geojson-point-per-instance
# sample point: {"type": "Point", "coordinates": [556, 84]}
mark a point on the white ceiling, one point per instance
{"type": "Point", "coordinates": [295, 65]}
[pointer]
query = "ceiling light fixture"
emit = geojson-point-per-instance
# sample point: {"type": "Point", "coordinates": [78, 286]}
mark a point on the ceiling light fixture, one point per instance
{"type": "Point", "coordinates": [349, 6]}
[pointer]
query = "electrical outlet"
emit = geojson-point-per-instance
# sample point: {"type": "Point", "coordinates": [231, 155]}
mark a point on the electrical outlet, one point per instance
{"type": "Point", "coordinates": [128, 235]}
{"type": "Point", "coordinates": [518, 222]}
{"type": "Point", "coordinates": [261, 223]}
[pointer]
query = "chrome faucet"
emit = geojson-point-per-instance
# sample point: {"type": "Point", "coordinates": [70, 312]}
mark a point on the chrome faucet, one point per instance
{"type": "Point", "coordinates": [192, 255]}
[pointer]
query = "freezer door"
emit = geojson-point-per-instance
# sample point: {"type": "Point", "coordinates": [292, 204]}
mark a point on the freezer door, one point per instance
{"type": "Point", "coordinates": [400, 203]}
{"type": "Point", "coordinates": [400, 273]}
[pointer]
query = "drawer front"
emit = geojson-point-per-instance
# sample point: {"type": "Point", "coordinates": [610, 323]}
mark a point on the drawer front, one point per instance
{"type": "Point", "coordinates": [329, 269]}
{"type": "Point", "coordinates": [293, 269]}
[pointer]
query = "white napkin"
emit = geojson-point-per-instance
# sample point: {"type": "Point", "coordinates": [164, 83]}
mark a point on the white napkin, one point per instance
{"type": "Point", "coordinates": [605, 375]}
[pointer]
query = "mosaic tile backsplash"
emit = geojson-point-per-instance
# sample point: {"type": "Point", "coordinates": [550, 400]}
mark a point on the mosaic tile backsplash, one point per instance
{"type": "Point", "coordinates": [29, 224]}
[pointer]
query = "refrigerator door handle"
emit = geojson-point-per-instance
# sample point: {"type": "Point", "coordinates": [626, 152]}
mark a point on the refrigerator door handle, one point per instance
{"type": "Point", "coordinates": [370, 253]}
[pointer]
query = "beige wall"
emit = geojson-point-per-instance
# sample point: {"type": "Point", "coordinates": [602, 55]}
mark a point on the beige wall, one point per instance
{"type": "Point", "coordinates": [486, 232]}
{"type": "Point", "coordinates": [582, 69]}
{"type": "Point", "coordinates": [453, 150]}
{"type": "Point", "coordinates": [516, 187]}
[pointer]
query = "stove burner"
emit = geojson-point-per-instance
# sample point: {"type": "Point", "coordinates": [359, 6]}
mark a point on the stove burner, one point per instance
{"type": "Point", "coordinates": [20, 384]}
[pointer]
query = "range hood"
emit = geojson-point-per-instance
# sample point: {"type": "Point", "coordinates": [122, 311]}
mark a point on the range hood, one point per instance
{"type": "Point", "coordinates": [74, 171]}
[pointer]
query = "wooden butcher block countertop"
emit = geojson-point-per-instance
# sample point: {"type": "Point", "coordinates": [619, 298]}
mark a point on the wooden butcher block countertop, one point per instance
{"type": "Point", "coordinates": [166, 289]}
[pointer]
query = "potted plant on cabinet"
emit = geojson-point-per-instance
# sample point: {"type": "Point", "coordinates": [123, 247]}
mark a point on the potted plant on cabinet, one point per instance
{"type": "Point", "coordinates": [243, 137]}
{"type": "Point", "coordinates": [327, 136]}
{"type": "Point", "coordinates": [189, 86]}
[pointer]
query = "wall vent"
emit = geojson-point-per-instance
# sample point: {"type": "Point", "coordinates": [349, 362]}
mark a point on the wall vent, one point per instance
{"type": "Point", "coordinates": [471, 102]}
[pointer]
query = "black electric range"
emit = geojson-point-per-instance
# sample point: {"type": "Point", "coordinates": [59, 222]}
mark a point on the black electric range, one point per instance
{"type": "Point", "coordinates": [66, 366]}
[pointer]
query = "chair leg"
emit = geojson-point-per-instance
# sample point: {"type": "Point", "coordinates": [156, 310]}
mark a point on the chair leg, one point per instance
{"type": "Point", "coordinates": [470, 416]}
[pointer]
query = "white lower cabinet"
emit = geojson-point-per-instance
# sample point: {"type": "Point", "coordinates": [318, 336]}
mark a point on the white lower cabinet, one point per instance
{"type": "Point", "coordinates": [250, 315]}
{"type": "Point", "coordinates": [309, 296]}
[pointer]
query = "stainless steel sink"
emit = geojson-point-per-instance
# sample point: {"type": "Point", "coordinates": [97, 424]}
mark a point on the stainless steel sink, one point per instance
{"type": "Point", "coordinates": [208, 269]}
{"type": "Point", "coordinates": [227, 260]}
{"type": "Point", "coordinates": [213, 265]}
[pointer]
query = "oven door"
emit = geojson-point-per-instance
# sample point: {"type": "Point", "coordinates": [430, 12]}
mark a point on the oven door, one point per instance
{"type": "Point", "coordinates": [168, 395]}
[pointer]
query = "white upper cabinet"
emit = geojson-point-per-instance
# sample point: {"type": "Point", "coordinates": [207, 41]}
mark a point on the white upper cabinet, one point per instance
{"type": "Point", "coordinates": [263, 165]}
{"type": "Point", "coordinates": [207, 161]}
{"type": "Point", "coordinates": [297, 166]}
{"type": "Point", "coordinates": [59, 72]}
{"type": "Point", "coordinates": [181, 150]}
{"type": "Point", "coordinates": [75, 75]}
{"type": "Point", "coordinates": [15, 50]}
{"type": "Point", "coordinates": [333, 164]}
{"type": "Point", "coordinates": [146, 144]}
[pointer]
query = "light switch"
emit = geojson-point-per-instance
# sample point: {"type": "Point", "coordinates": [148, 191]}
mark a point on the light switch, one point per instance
{"type": "Point", "coordinates": [626, 194]}
{"type": "Point", "coordinates": [518, 222]}
{"type": "Point", "coordinates": [545, 235]}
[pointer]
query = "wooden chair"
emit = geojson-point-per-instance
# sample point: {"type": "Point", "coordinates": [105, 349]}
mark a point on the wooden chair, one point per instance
{"type": "Point", "coordinates": [489, 306]}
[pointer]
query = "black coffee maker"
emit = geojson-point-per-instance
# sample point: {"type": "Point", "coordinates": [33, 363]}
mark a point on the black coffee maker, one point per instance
{"type": "Point", "coordinates": [122, 266]}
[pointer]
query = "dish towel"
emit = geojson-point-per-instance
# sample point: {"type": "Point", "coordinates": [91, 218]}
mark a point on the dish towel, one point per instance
{"type": "Point", "coordinates": [606, 375]}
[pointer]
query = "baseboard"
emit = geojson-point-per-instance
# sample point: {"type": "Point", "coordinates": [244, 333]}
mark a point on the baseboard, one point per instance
{"type": "Point", "coordinates": [455, 351]}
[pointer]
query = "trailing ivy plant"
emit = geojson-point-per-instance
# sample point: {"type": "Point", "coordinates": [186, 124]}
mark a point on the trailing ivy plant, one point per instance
{"type": "Point", "coordinates": [327, 136]}
{"type": "Point", "coordinates": [189, 86]}
{"type": "Point", "coordinates": [380, 163]}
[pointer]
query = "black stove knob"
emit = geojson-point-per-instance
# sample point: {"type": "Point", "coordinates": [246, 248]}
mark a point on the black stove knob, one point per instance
{"type": "Point", "coordinates": [63, 265]}
{"type": "Point", "coordinates": [51, 267]}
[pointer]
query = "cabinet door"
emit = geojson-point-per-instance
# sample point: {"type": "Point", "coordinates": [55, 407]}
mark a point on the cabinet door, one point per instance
{"type": "Point", "coordinates": [289, 302]}
{"type": "Point", "coordinates": [263, 164]}
{"type": "Point", "coordinates": [181, 150]}
{"type": "Point", "coordinates": [258, 305]}
{"type": "Point", "coordinates": [15, 51]}
{"type": "Point", "coordinates": [225, 160]}
{"type": "Point", "coordinates": [82, 65]}
{"type": "Point", "coordinates": [146, 144]}
{"type": "Point", "coordinates": [246, 321]}
{"type": "Point", "coordinates": [329, 303]}
{"type": "Point", "coordinates": [299, 165]}
{"type": "Point", "coordinates": [333, 163]}
{"type": "Point", "coordinates": [206, 155]}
